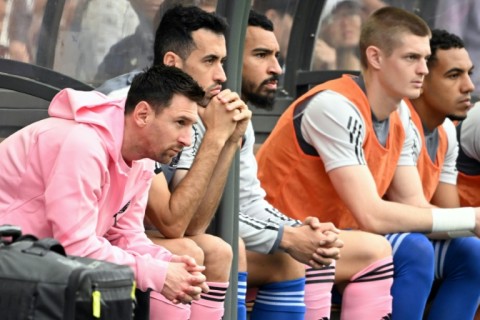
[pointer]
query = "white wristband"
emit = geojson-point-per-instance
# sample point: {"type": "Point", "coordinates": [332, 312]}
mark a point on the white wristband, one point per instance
{"type": "Point", "coordinates": [458, 219]}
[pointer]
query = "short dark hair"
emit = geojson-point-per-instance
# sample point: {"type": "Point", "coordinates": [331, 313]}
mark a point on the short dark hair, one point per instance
{"type": "Point", "coordinates": [256, 19]}
{"type": "Point", "coordinates": [174, 32]}
{"type": "Point", "coordinates": [443, 40]}
{"type": "Point", "coordinates": [168, 4]}
{"type": "Point", "coordinates": [158, 84]}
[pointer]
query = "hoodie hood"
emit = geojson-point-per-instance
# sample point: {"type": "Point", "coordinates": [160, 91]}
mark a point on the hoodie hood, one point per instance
{"type": "Point", "coordinates": [105, 114]}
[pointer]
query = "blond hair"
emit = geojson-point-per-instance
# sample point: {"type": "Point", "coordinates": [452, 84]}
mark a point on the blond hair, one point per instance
{"type": "Point", "coordinates": [384, 28]}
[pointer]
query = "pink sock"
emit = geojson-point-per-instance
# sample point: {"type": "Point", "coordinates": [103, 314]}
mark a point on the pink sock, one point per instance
{"type": "Point", "coordinates": [162, 308]}
{"type": "Point", "coordinates": [210, 306]}
{"type": "Point", "coordinates": [318, 291]}
{"type": "Point", "coordinates": [367, 296]}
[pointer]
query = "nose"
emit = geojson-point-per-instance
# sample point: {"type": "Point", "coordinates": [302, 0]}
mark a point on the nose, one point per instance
{"type": "Point", "coordinates": [274, 67]}
{"type": "Point", "coordinates": [423, 68]}
{"type": "Point", "coordinates": [185, 138]}
{"type": "Point", "coordinates": [220, 75]}
{"type": "Point", "coordinates": [468, 85]}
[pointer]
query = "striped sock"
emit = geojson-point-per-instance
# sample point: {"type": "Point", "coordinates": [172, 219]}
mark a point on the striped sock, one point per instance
{"type": "Point", "coordinates": [210, 306]}
{"type": "Point", "coordinates": [318, 292]}
{"type": "Point", "coordinates": [280, 301]}
{"type": "Point", "coordinates": [367, 296]}
{"type": "Point", "coordinates": [241, 296]}
{"type": "Point", "coordinates": [413, 259]}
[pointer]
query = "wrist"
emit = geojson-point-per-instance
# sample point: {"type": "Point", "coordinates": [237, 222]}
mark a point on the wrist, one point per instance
{"type": "Point", "coordinates": [453, 220]}
{"type": "Point", "coordinates": [285, 242]}
{"type": "Point", "coordinates": [277, 244]}
{"type": "Point", "coordinates": [232, 144]}
{"type": "Point", "coordinates": [213, 140]}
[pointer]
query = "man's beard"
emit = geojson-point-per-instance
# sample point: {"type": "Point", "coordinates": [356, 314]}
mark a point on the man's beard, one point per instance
{"type": "Point", "coordinates": [262, 101]}
{"type": "Point", "coordinates": [455, 117]}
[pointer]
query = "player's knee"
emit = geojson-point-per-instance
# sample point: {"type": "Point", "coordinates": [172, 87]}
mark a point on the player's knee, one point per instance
{"type": "Point", "coordinates": [416, 247]}
{"type": "Point", "coordinates": [466, 253]}
{"type": "Point", "coordinates": [222, 250]}
{"type": "Point", "coordinates": [218, 257]}
{"type": "Point", "coordinates": [414, 258]}
{"type": "Point", "coordinates": [216, 248]}
{"type": "Point", "coordinates": [189, 247]}
{"type": "Point", "coordinates": [374, 247]}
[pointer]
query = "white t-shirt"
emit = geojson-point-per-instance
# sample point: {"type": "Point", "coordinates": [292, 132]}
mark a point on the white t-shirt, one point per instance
{"type": "Point", "coordinates": [470, 135]}
{"type": "Point", "coordinates": [261, 225]}
{"type": "Point", "coordinates": [336, 129]}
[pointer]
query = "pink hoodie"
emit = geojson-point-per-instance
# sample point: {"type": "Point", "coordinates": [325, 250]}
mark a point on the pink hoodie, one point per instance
{"type": "Point", "coordinates": [64, 177]}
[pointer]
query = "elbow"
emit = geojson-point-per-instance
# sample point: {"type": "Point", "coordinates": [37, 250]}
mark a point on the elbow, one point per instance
{"type": "Point", "coordinates": [371, 216]}
{"type": "Point", "coordinates": [171, 229]}
{"type": "Point", "coordinates": [173, 232]}
{"type": "Point", "coordinates": [370, 224]}
{"type": "Point", "coordinates": [195, 231]}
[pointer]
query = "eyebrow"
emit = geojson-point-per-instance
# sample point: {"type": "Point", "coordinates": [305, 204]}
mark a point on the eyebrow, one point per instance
{"type": "Point", "coordinates": [415, 54]}
{"type": "Point", "coordinates": [188, 119]}
{"type": "Point", "coordinates": [214, 57]}
{"type": "Point", "coordinates": [266, 51]}
{"type": "Point", "coordinates": [211, 56]}
{"type": "Point", "coordinates": [262, 50]}
{"type": "Point", "coordinates": [458, 70]}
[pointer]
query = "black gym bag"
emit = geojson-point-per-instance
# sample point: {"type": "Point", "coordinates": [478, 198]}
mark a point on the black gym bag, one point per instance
{"type": "Point", "coordinates": [38, 281]}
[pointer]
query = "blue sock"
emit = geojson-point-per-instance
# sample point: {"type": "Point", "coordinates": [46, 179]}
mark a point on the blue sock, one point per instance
{"type": "Point", "coordinates": [457, 265]}
{"type": "Point", "coordinates": [280, 301]}
{"type": "Point", "coordinates": [241, 296]}
{"type": "Point", "coordinates": [413, 262]}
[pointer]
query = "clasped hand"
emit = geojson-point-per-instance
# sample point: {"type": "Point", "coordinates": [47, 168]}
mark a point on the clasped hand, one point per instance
{"type": "Point", "coordinates": [314, 243]}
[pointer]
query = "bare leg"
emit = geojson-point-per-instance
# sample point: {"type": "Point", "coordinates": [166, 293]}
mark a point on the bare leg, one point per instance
{"type": "Point", "coordinates": [270, 268]}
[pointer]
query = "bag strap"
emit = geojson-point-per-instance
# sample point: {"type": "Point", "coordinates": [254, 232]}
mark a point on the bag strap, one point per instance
{"type": "Point", "coordinates": [8, 230]}
{"type": "Point", "coordinates": [42, 246]}
{"type": "Point", "coordinates": [38, 247]}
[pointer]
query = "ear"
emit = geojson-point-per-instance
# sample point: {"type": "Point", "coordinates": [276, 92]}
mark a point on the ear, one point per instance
{"type": "Point", "coordinates": [374, 57]}
{"type": "Point", "coordinates": [142, 114]}
{"type": "Point", "coordinates": [171, 59]}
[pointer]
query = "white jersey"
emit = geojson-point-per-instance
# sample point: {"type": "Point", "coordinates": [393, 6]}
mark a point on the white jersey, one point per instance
{"type": "Point", "coordinates": [449, 168]}
{"type": "Point", "coordinates": [261, 225]}
{"type": "Point", "coordinates": [323, 127]}
{"type": "Point", "coordinates": [470, 135]}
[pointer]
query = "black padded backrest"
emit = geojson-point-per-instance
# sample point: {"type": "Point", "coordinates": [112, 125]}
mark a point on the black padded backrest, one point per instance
{"type": "Point", "coordinates": [26, 91]}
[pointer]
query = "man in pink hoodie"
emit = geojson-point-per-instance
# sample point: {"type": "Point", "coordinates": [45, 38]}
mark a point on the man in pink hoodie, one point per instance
{"type": "Point", "coordinates": [78, 176]}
